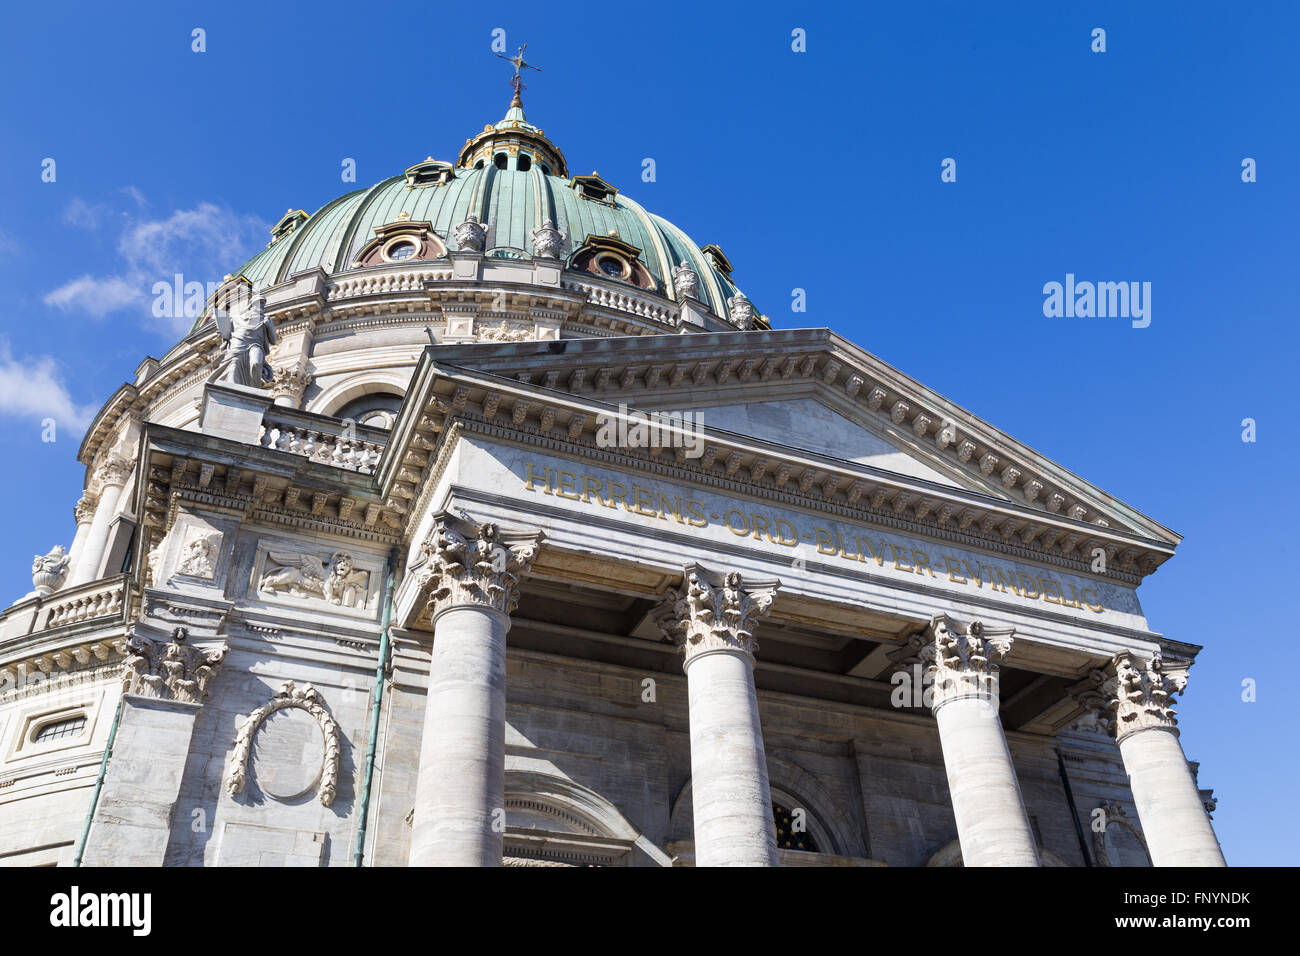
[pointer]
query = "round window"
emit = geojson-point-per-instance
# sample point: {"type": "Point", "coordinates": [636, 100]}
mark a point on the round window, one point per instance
{"type": "Point", "coordinates": [611, 266]}
{"type": "Point", "coordinates": [401, 250]}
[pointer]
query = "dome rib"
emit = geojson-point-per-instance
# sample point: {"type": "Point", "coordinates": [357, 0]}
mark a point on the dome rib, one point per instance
{"type": "Point", "coordinates": [350, 233]}
{"type": "Point", "coordinates": [320, 228]}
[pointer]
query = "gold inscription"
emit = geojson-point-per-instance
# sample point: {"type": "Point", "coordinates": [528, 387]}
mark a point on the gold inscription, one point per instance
{"type": "Point", "coordinates": [652, 503]}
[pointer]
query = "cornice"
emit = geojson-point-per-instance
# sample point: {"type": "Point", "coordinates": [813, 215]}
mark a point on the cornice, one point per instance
{"type": "Point", "coordinates": [447, 399]}
{"type": "Point", "coordinates": [260, 484]}
{"type": "Point", "coordinates": [661, 369]}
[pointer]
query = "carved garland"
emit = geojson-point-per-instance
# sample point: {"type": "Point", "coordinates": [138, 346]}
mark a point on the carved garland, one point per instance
{"type": "Point", "coordinates": [305, 698]}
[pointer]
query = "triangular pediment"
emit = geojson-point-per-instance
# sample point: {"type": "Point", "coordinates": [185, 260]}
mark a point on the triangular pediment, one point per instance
{"type": "Point", "coordinates": [800, 412]}
{"type": "Point", "coordinates": [808, 424]}
{"type": "Point", "coordinates": [758, 383]}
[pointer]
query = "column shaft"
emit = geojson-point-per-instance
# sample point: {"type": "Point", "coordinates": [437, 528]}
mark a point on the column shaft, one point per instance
{"type": "Point", "coordinates": [92, 551]}
{"type": "Point", "coordinates": [460, 792]}
{"type": "Point", "coordinates": [1174, 821]}
{"type": "Point", "coordinates": [992, 824]}
{"type": "Point", "coordinates": [731, 800]}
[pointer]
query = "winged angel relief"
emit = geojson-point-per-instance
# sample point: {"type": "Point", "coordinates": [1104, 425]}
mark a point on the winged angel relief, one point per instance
{"type": "Point", "coordinates": [305, 575]}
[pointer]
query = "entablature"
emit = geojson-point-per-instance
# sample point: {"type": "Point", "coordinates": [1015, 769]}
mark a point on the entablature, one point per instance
{"type": "Point", "coordinates": [520, 411]}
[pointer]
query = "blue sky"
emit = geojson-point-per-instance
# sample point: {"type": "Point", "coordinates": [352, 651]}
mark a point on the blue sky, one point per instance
{"type": "Point", "coordinates": [817, 170]}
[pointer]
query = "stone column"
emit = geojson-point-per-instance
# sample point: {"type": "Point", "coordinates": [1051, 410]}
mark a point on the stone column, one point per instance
{"type": "Point", "coordinates": [110, 478]}
{"type": "Point", "coordinates": [474, 573]}
{"type": "Point", "coordinates": [960, 660]}
{"type": "Point", "coordinates": [163, 687]}
{"type": "Point", "coordinates": [84, 512]}
{"type": "Point", "coordinates": [713, 619]}
{"type": "Point", "coordinates": [1133, 701]}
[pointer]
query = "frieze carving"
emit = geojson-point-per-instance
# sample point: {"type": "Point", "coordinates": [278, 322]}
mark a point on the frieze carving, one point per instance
{"type": "Point", "coordinates": [687, 282]}
{"type": "Point", "coordinates": [957, 660]}
{"type": "Point", "coordinates": [502, 332]}
{"type": "Point", "coordinates": [307, 576]}
{"type": "Point", "coordinates": [1130, 695]}
{"type": "Point", "coordinates": [712, 611]}
{"type": "Point", "coordinates": [174, 670]}
{"type": "Point", "coordinates": [464, 563]}
{"type": "Point", "coordinates": [199, 556]}
{"type": "Point", "coordinates": [289, 695]}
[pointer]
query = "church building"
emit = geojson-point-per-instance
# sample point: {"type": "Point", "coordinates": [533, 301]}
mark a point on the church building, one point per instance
{"type": "Point", "coordinates": [481, 519]}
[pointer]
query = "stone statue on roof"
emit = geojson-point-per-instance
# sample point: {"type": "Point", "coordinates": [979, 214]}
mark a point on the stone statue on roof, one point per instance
{"type": "Point", "coordinates": [247, 336]}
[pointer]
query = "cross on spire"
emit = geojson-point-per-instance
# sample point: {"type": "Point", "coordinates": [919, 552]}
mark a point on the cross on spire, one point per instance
{"type": "Point", "coordinates": [520, 65]}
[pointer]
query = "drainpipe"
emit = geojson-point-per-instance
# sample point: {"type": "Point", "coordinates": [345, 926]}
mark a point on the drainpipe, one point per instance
{"type": "Point", "coordinates": [380, 670]}
{"type": "Point", "coordinates": [1074, 812]}
{"type": "Point", "coordinates": [99, 784]}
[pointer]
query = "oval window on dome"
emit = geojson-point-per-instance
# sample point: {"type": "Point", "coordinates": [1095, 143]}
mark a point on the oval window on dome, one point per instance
{"type": "Point", "coordinates": [401, 250]}
{"type": "Point", "coordinates": [612, 266]}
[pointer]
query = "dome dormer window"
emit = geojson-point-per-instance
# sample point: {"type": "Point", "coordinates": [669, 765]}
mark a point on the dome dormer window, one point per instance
{"type": "Point", "coordinates": [612, 258]}
{"type": "Point", "coordinates": [290, 221]}
{"type": "Point", "coordinates": [716, 258]}
{"type": "Point", "coordinates": [401, 241]}
{"type": "Point", "coordinates": [594, 188]}
{"type": "Point", "coordinates": [501, 160]}
{"type": "Point", "coordinates": [431, 172]}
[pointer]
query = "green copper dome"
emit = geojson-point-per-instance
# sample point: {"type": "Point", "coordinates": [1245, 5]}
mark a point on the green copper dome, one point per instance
{"type": "Point", "coordinates": [506, 178]}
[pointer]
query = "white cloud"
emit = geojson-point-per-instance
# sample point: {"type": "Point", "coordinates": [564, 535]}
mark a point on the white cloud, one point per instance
{"type": "Point", "coordinates": [31, 387]}
{"type": "Point", "coordinates": [83, 215]}
{"type": "Point", "coordinates": [96, 297]}
{"type": "Point", "coordinates": [136, 195]}
{"type": "Point", "coordinates": [201, 244]}
{"type": "Point", "coordinates": [207, 234]}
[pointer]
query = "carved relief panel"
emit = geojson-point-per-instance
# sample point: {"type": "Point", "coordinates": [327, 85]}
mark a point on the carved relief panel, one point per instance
{"type": "Point", "coordinates": [194, 552]}
{"type": "Point", "coordinates": [333, 580]}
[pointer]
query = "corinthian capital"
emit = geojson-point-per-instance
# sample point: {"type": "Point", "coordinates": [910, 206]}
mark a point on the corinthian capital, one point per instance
{"type": "Point", "coordinates": [958, 660]}
{"type": "Point", "coordinates": [171, 671]}
{"type": "Point", "coordinates": [1129, 695]}
{"type": "Point", "coordinates": [113, 471]}
{"type": "Point", "coordinates": [475, 564]}
{"type": "Point", "coordinates": [289, 382]}
{"type": "Point", "coordinates": [713, 611]}
{"type": "Point", "coordinates": [84, 510]}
